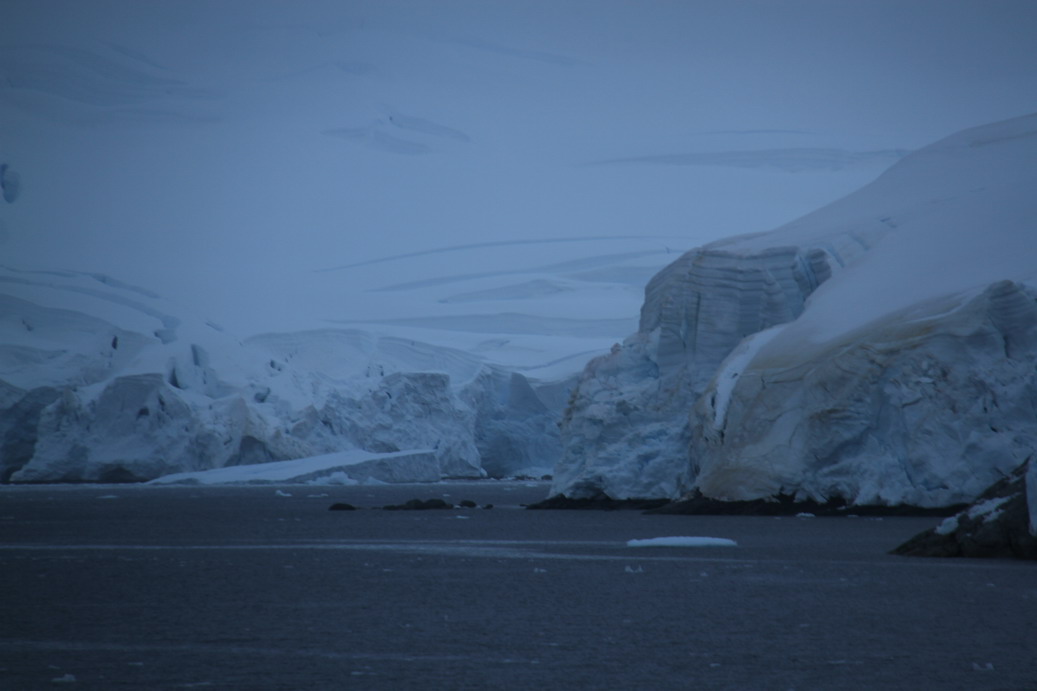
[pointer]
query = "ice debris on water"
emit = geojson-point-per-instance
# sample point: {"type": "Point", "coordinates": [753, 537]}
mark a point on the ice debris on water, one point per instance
{"type": "Point", "coordinates": [683, 542]}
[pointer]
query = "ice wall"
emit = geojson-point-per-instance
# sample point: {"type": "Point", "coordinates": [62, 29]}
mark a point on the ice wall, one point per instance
{"type": "Point", "coordinates": [928, 407]}
{"type": "Point", "coordinates": [876, 350]}
{"type": "Point", "coordinates": [625, 430]}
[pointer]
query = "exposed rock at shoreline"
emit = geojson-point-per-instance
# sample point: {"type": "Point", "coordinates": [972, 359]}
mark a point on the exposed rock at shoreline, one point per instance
{"type": "Point", "coordinates": [997, 524]}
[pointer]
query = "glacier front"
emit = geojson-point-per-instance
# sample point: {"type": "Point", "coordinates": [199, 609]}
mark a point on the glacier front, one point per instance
{"type": "Point", "coordinates": [882, 349]}
{"type": "Point", "coordinates": [100, 382]}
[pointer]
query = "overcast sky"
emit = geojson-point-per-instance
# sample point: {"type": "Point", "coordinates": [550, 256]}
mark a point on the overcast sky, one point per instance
{"type": "Point", "coordinates": [220, 152]}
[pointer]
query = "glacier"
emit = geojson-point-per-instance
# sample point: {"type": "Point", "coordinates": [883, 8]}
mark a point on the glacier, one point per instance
{"type": "Point", "coordinates": [314, 232]}
{"type": "Point", "coordinates": [881, 350]}
{"type": "Point", "coordinates": [99, 382]}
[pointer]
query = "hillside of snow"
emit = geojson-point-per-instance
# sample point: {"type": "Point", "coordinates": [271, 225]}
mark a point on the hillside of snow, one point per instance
{"type": "Point", "coordinates": [256, 231]}
{"type": "Point", "coordinates": [882, 349]}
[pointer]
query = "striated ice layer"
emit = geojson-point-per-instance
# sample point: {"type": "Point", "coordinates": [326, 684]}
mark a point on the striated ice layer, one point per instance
{"type": "Point", "coordinates": [625, 430]}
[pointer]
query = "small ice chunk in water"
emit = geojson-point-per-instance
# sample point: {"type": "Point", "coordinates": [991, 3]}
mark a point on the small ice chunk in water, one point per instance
{"type": "Point", "coordinates": [683, 542]}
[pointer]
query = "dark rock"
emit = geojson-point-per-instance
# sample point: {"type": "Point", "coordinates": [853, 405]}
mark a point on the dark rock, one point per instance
{"type": "Point", "coordinates": [488, 506]}
{"type": "Point", "coordinates": [341, 506]}
{"type": "Point", "coordinates": [420, 505]}
{"type": "Point", "coordinates": [117, 474]}
{"type": "Point", "coordinates": [997, 524]}
{"type": "Point", "coordinates": [600, 502]}
{"type": "Point", "coordinates": [468, 504]}
{"type": "Point", "coordinates": [786, 505]}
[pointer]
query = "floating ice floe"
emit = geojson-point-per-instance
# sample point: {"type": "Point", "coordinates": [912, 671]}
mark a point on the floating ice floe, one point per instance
{"type": "Point", "coordinates": [683, 542]}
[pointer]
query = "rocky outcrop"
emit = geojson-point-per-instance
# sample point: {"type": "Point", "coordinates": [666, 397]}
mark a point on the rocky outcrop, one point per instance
{"type": "Point", "coordinates": [997, 524]}
{"type": "Point", "coordinates": [1031, 495]}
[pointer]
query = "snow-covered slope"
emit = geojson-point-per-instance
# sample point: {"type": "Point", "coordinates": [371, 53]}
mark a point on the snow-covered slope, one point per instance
{"type": "Point", "coordinates": [882, 349]}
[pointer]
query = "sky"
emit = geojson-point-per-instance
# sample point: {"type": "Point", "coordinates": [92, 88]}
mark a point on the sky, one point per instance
{"type": "Point", "coordinates": [273, 165]}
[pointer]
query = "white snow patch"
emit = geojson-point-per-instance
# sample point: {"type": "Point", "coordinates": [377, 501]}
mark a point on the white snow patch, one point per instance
{"type": "Point", "coordinates": [732, 368]}
{"type": "Point", "coordinates": [948, 526]}
{"type": "Point", "coordinates": [989, 509]}
{"type": "Point", "coordinates": [682, 542]}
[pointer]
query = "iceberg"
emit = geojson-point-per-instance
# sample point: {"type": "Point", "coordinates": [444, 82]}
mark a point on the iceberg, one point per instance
{"type": "Point", "coordinates": [881, 350]}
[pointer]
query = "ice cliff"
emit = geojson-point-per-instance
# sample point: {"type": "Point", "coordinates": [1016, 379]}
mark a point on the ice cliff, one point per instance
{"type": "Point", "coordinates": [882, 349]}
{"type": "Point", "coordinates": [100, 382]}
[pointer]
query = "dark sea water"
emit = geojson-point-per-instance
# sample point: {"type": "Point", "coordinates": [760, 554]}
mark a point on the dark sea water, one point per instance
{"type": "Point", "coordinates": [127, 587]}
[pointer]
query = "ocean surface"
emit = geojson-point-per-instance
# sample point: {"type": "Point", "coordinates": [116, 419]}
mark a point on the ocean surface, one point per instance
{"type": "Point", "coordinates": [262, 587]}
